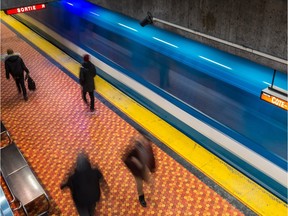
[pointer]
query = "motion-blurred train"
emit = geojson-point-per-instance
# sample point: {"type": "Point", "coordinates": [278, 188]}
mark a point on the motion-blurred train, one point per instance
{"type": "Point", "coordinates": [211, 96]}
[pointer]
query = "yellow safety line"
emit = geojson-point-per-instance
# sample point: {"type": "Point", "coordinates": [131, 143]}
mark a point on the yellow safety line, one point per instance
{"type": "Point", "coordinates": [249, 193]}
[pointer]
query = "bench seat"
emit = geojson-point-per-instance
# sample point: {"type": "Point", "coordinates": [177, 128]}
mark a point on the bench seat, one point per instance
{"type": "Point", "coordinates": [5, 131]}
{"type": "Point", "coordinates": [20, 179]}
{"type": "Point", "coordinates": [12, 160]}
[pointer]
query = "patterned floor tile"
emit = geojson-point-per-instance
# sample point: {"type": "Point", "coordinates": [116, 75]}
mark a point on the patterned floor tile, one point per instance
{"type": "Point", "coordinates": [54, 125]}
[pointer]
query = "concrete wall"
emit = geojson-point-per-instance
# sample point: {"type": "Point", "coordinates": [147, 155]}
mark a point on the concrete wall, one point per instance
{"type": "Point", "coordinates": [258, 24]}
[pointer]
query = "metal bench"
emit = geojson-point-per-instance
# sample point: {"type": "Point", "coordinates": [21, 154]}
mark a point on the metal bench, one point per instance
{"type": "Point", "coordinates": [5, 131]}
{"type": "Point", "coordinates": [12, 160]}
{"type": "Point", "coordinates": [20, 179]}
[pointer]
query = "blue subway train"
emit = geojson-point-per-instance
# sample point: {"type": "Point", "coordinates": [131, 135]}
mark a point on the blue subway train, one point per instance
{"type": "Point", "coordinates": [210, 95]}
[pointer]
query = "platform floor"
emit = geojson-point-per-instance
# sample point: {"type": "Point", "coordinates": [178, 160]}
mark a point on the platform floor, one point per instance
{"type": "Point", "coordinates": [54, 125]}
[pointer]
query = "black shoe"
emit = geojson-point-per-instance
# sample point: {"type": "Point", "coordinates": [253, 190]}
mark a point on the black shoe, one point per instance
{"type": "Point", "coordinates": [142, 201]}
{"type": "Point", "coordinates": [92, 111]}
{"type": "Point", "coordinates": [25, 98]}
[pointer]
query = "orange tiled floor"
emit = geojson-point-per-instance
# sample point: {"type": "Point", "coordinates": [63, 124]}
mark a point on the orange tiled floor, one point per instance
{"type": "Point", "coordinates": [53, 126]}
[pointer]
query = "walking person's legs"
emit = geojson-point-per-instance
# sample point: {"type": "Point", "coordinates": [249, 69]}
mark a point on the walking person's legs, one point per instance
{"type": "Point", "coordinates": [92, 101]}
{"type": "Point", "coordinates": [82, 210]}
{"type": "Point", "coordinates": [91, 209]}
{"type": "Point", "coordinates": [21, 83]}
{"type": "Point", "coordinates": [18, 85]}
{"type": "Point", "coordinates": [84, 97]}
{"type": "Point", "coordinates": [139, 185]}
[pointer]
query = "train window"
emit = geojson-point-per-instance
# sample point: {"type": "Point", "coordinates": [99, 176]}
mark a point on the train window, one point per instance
{"type": "Point", "coordinates": [66, 23]}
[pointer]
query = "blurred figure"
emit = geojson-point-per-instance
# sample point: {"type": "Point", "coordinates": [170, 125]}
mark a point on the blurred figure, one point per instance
{"type": "Point", "coordinates": [87, 74]}
{"type": "Point", "coordinates": [139, 159]}
{"type": "Point", "coordinates": [15, 66]}
{"type": "Point", "coordinates": [84, 184]}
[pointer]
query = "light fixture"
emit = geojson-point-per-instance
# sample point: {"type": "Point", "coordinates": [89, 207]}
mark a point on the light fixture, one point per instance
{"type": "Point", "coordinates": [147, 20]}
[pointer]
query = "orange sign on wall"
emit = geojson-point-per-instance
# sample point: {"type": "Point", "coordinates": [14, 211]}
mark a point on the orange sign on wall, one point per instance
{"type": "Point", "coordinates": [275, 100]}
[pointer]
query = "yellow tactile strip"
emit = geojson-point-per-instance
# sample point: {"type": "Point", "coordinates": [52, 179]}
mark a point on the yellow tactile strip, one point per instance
{"type": "Point", "coordinates": [196, 150]}
{"type": "Point", "coordinates": [54, 125]}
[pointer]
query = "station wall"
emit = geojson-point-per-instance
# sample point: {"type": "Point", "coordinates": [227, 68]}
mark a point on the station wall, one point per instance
{"type": "Point", "coordinates": [257, 24]}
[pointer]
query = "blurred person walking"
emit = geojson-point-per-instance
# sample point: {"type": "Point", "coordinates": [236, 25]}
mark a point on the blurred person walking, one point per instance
{"type": "Point", "coordinates": [139, 159]}
{"type": "Point", "coordinates": [84, 185]}
{"type": "Point", "coordinates": [87, 74]}
{"type": "Point", "coordinates": [14, 66]}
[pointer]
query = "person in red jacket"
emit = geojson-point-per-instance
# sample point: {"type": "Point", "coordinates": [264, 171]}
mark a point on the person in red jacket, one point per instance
{"type": "Point", "coordinates": [15, 67]}
{"type": "Point", "coordinates": [86, 79]}
{"type": "Point", "coordinates": [139, 159]}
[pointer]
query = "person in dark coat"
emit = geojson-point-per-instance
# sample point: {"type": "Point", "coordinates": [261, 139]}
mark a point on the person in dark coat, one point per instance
{"type": "Point", "coordinates": [14, 66]}
{"type": "Point", "coordinates": [84, 184]}
{"type": "Point", "coordinates": [139, 159]}
{"type": "Point", "coordinates": [87, 74]}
